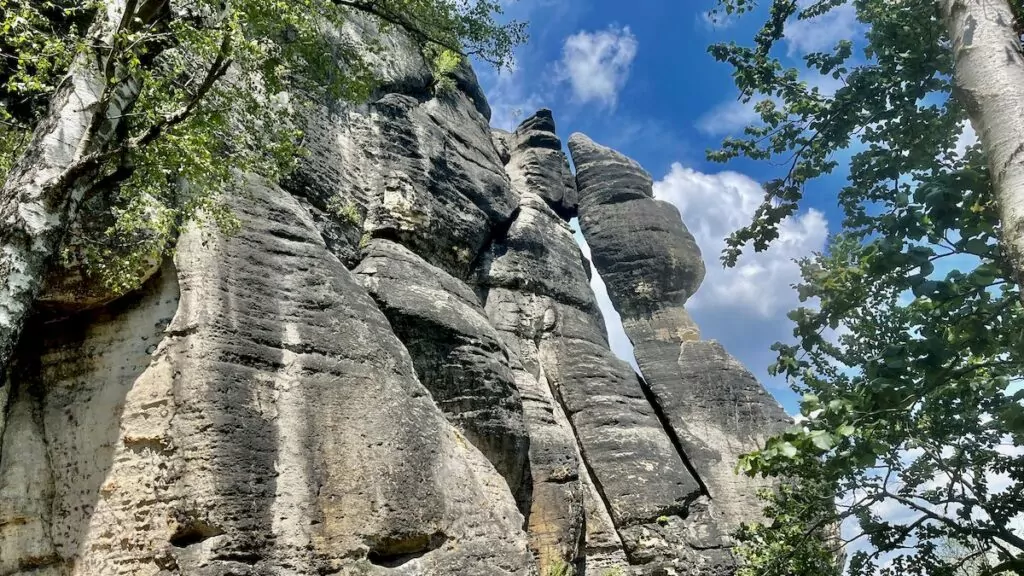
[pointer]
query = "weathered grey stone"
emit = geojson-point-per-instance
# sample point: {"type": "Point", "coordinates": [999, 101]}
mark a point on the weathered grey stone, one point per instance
{"type": "Point", "coordinates": [412, 166]}
{"type": "Point", "coordinates": [278, 428]}
{"type": "Point", "coordinates": [645, 505]}
{"type": "Point", "coordinates": [254, 411]}
{"type": "Point", "coordinates": [634, 463]}
{"type": "Point", "coordinates": [554, 501]}
{"type": "Point", "coordinates": [445, 189]}
{"type": "Point", "coordinates": [72, 377]}
{"type": "Point", "coordinates": [714, 408]}
{"type": "Point", "coordinates": [458, 355]}
{"type": "Point", "coordinates": [719, 412]}
{"type": "Point", "coordinates": [539, 256]}
{"type": "Point", "coordinates": [466, 81]}
{"type": "Point", "coordinates": [426, 171]}
{"type": "Point", "coordinates": [502, 143]}
{"type": "Point", "coordinates": [556, 521]}
{"type": "Point", "coordinates": [603, 551]}
{"type": "Point", "coordinates": [640, 246]}
{"type": "Point", "coordinates": [538, 165]}
{"type": "Point", "coordinates": [634, 466]}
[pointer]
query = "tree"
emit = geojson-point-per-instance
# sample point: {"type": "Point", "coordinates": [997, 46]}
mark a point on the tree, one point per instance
{"type": "Point", "coordinates": [910, 352]}
{"type": "Point", "coordinates": [972, 559]}
{"type": "Point", "coordinates": [155, 106]}
{"type": "Point", "coordinates": [985, 36]}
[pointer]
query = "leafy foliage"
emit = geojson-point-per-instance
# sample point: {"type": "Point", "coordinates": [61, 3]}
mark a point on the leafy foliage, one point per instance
{"type": "Point", "coordinates": [910, 352]}
{"type": "Point", "coordinates": [224, 89]}
{"type": "Point", "coordinates": [445, 63]}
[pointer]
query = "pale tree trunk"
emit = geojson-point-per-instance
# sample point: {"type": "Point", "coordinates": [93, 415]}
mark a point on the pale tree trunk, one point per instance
{"type": "Point", "coordinates": [40, 196]}
{"type": "Point", "coordinates": [989, 82]}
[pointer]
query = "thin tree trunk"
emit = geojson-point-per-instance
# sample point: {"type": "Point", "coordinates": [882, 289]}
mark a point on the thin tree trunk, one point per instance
{"type": "Point", "coordinates": [989, 82]}
{"type": "Point", "coordinates": [41, 193]}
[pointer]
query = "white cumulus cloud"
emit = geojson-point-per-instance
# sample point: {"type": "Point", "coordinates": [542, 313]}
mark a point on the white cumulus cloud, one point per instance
{"type": "Point", "coordinates": [597, 64]}
{"type": "Point", "coordinates": [715, 205]}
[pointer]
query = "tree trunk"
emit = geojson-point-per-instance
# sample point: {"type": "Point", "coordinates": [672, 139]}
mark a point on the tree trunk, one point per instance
{"type": "Point", "coordinates": [39, 198]}
{"type": "Point", "coordinates": [989, 82]}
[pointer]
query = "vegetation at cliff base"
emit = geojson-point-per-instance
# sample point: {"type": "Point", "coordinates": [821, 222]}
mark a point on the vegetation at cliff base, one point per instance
{"type": "Point", "coordinates": [909, 457]}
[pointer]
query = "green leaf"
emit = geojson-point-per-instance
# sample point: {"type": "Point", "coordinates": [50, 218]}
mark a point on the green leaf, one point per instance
{"type": "Point", "coordinates": [822, 440]}
{"type": "Point", "coordinates": [926, 288]}
{"type": "Point", "coordinates": [810, 401]}
{"type": "Point", "coordinates": [787, 449]}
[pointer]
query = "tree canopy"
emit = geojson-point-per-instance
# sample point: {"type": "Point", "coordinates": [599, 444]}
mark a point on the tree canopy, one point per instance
{"type": "Point", "coordinates": [144, 113]}
{"type": "Point", "coordinates": [221, 87]}
{"type": "Point", "coordinates": [910, 351]}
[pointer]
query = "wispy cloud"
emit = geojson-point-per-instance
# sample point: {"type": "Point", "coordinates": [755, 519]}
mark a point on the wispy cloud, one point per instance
{"type": "Point", "coordinates": [729, 117]}
{"type": "Point", "coordinates": [821, 32]}
{"type": "Point", "coordinates": [715, 20]}
{"type": "Point", "coordinates": [597, 64]}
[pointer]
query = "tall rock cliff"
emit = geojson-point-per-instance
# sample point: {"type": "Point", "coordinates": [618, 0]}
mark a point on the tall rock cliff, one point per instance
{"type": "Point", "coordinates": [397, 366]}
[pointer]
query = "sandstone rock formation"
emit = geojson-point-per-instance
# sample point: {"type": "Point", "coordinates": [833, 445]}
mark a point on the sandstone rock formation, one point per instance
{"type": "Point", "coordinates": [397, 366]}
{"type": "Point", "coordinates": [712, 405]}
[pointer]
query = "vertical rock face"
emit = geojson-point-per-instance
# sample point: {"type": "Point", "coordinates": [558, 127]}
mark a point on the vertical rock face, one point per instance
{"type": "Point", "coordinates": [458, 355]}
{"type": "Point", "coordinates": [711, 404]}
{"type": "Point", "coordinates": [397, 366]}
{"type": "Point", "coordinates": [277, 428]}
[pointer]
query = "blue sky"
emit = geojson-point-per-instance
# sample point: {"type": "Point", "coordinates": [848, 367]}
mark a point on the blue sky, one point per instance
{"type": "Point", "coordinates": [637, 76]}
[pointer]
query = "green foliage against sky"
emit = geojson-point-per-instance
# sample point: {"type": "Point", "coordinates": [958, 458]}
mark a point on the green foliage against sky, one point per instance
{"type": "Point", "coordinates": [910, 352]}
{"type": "Point", "coordinates": [223, 88]}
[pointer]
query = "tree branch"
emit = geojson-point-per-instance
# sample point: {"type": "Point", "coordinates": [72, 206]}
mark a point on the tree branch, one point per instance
{"type": "Point", "coordinates": [216, 71]}
{"type": "Point", "coordinates": [400, 21]}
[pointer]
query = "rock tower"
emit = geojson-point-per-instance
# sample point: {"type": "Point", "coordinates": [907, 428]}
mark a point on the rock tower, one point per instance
{"type": "Point", "coordinates": [395, 367]}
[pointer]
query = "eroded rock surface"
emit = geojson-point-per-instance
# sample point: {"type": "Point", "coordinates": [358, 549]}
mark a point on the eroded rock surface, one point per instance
{"type": "Point", "coordinates": [719, 412]}
{"type": "Point", "coordinates": [712, 406]}
{"type": "Point", "coordinates": [539, 294]}
{"type": "Point", "coordinates": [458, 355]}
{"type": "Point", "coordinates": [397, 366]}
{"type": "Point", "coordinates": [279, 427]}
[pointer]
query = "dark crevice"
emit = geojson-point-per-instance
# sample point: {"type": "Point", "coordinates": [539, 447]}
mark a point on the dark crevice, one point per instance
{"type": "Point", "coordinates": [557, 397]}
{"type": "Point", "coordinates": [671, 432]}
{"type": "Point", "coordinates": [248, 558]}
{"type": "Point", "coordinates": [566, 213]}
{"type": "Point", "coordinates": [494, 243]}
{"type": "Point", "coordinates": [499, 232]}
{"type": "Point", "coordinates": [524, 499]}
{"type": "Point", "coordinates": [6, 401]}
{"type": "Point", "coordinates": [394, 553]}
{"type": "Point", "coordinates": [191, 531]}
{"type": "Point", "coordinates": [389, 234]}
{"type": "Point", "coordinates": [581, 552]}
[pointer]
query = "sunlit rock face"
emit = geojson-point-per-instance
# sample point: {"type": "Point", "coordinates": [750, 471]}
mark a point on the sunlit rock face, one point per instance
{"type": "Point", "coordinates": [396, 366]}
{"type": "Point", "coordinates": [711, 405]}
